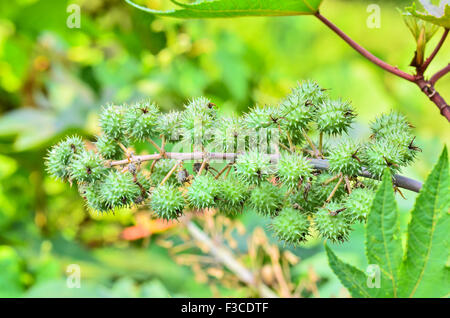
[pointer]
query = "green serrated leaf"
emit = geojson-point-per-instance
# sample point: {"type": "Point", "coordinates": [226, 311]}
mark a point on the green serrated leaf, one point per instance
{"type": "Point", "coordinates": [351, 277]}
{"type": "Point", "coordinates": [383, 238]}
{"type": "Point", "coordinates": [236, 8]}
{"type": "Point", "coordinates": [437, 14]}
{"type": "Point", "coordinates": [424, 272]}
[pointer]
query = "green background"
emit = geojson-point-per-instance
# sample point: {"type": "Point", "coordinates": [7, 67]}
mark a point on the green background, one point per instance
{"type": "Point", "coordinates": [53, 81]}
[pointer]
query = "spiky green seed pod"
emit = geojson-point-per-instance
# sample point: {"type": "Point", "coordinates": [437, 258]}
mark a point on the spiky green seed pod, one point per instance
{"type": "Point", "coordinates": [161, 169]}
{"type": "Point", "coordinates": [231, 195]}
{"type": "Point", "coordinates": [404, 142]}
{"type": "Point", "coordinates": [140, 120]}
{"type": "Point", "coordinates": [91, 193]}
{"type": "Point", "coordinates": [87, 167]}
{"type": "Point", "coordinates": [60, 157]}
{"type": "Point", "coordinates": [343, 157]}
{"type": "Point", "coordinates": [260, 117]}
{"type": "Point", "coordinates": [291, 226]}
{"type": "Point", "coordinates": [167, 202]}
{"type": "Point", "coordinates": [169, 126]}
{"type": "Point", "coordinates": [198, 120]}
{"type": "Point", "coordinates": [203, 192]}
{"type": "Point", "coordinates": [119, 189]}
{"type": "Point", "coordinates": [312, 92]}
{"type": "Point", "coordinates": [358, 204]}
{"type": "Point", "coordinates": [112, 121]}
{"type": "Point", "coordinates": [229, 134]}
{"type": "Point", "coordinates": [266, 199]}
{"type": "Point", "coordinates": [297, 109]}
{"type": "Point", "coordinates": [334, 117]}
{"type": "Point", "coordinates": [332, 223]}
{"type": "Point", "coordinates": [381, 154]}
{"type": "Point", "coordinates": [108, 148]}
{"type": "Point", "coordinates": [253, 167]}
{"type": "Point", "coordinates": [387, 123]}
{"type": "Point", "coordinates": [292, 169]}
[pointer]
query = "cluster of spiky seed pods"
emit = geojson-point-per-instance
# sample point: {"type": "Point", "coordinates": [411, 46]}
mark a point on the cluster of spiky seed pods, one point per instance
{"type": "Point", "coordinates": [263, 158]}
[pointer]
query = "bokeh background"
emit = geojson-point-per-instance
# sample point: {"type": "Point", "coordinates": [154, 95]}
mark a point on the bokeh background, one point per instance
{"type": "Point", "coordinates": [53, 81]}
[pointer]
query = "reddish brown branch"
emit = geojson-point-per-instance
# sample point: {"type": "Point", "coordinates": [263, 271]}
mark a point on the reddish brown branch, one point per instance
{"type": "Point", "coordinates": [427, 87]}
{"type": "Point", "coordinates": [363, 51]}
{"type": "Point", "coordinates": [439, 74]}
{"type": "Point", "coordinates": [435, 51]}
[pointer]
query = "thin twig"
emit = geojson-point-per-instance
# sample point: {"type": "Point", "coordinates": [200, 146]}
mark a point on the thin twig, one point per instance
{"type": "Point", "coordinates": [222, 171]}
{"type": "Point", "coordinates": [311, 144]}
{"type": "Point", "coordinates": [170, 172]}
{"type": "Point", "coordinates": [202, 167]}
{"type": "Point", "coordinates": [335, 188]}
{"type": "Point", "coordinates": [439, 74]}
{"type": "Point", "coordinates": [347, 184]}
{"type": "Point", "coordinates": [225, 256]}
{"type": "Point", "coordinates": [156, 146]}
{"type": "Point", "coordinates": [321, 143]}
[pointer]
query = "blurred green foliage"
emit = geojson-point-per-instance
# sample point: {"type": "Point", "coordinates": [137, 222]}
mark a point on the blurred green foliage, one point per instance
{"type": "Point", "coordinates": [54, 79]}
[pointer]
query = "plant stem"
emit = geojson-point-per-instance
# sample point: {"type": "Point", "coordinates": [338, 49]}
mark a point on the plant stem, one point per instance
{"type": "Point", "coordinates": [311, 144]}
{"type": "Point", "coordinates": [439, 74]}
{"type": "Point", "coordinates": [202, 167]}
{"type": "Point", "coordinates": [435, 51]}
{"type": "Point", "coordinates": [170, 172]}
{"type": "Point", "coordinates": [335, 188]}
{"type": "Point", "coordinates": [347, 184]}
{"type": "Point", "coordinates": [363, 51]}
{"type": "Point", "coordinates": [320, 164]}
{"type": "Point", "coordinates": [225, 256]}
{"type": "Point", "coordinates": [320, 143]}
{"type": "Point", "coordinates": [222, 171]}
{"type": "Point", "coordinates": [156, 146]}
{"type": "Point", "coordinates": [427, 87]}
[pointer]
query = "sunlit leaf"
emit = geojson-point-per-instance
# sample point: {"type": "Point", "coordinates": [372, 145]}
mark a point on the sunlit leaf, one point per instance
{"type": "Point", "coordinates": [236, 8]}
